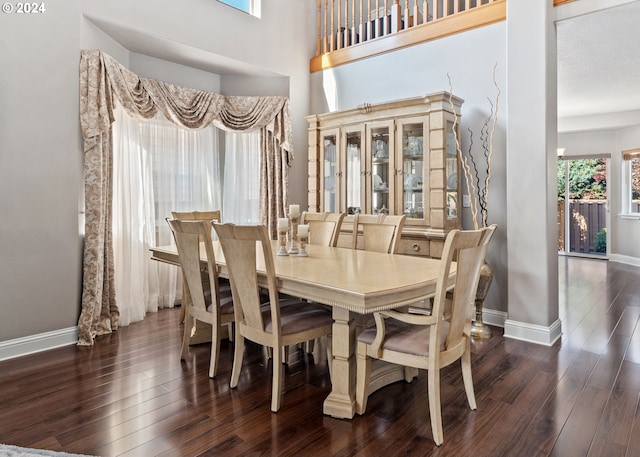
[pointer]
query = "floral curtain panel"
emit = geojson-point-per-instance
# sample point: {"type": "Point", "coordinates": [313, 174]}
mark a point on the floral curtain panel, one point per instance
{"type": "Point", "coordinates": [102, 81]}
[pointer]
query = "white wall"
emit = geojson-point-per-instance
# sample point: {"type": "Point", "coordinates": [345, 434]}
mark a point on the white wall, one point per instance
{"type": "Point", "coordinates": [40, 171]}
{"type": "Point", "coordinates": [469, 59]}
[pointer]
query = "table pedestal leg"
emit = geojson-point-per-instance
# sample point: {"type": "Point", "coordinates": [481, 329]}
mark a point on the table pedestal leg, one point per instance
{"type": "Point", "coordinates": [341, 401]}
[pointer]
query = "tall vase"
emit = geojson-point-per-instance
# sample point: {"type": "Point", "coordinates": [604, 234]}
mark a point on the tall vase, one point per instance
{"type": "Point", "coordinates": [478, 328]}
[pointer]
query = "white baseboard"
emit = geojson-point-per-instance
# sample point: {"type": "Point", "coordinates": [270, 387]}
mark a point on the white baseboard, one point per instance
{"type": "Point", "coordinates": [625, 259]}
{"type": "Point", "coordinates": [36, 343]}
{"type": "Point", "coordinates": [494, 317]}
{"type": "Point", "coordinates": [538, 334]}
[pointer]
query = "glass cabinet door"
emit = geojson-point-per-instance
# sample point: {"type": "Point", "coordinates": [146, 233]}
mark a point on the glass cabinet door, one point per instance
{"type": "Point", "coordinates": [381, 172]}
{"type": "Point", "coordinates": [330, 171]}
{"type": "Point", "coordinates": [413, 168]}
{"type": "Point", "coordinates": [354, 184]}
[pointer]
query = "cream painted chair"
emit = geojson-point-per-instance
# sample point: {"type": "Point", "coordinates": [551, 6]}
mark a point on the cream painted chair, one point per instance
{"type": "Point", "coordinates": [324, 228]}
{"type": "Point", "coordinates": [271, 325]}
{"type": "Point", "coordinates": [430, 342]}
{"type": "Point", "coordinates": [377, 232]}
{"type": "Point", "coordinates": [212, 305]}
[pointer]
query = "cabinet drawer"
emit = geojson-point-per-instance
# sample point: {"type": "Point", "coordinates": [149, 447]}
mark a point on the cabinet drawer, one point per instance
{"type": "Point", "coordinates": [409, 246]}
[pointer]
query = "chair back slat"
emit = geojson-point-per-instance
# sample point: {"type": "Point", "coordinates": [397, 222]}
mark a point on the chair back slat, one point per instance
{"type": "Point", "coordinates": [244, 246]}
{"type": "Point", "coordinates": [469, 248]}
{"type": "Point", "coordinates": [380, 232]}
{"type": "Point", "coordinates": [324, 228]}
{"type": "Point", "coordinates": [190, 236]}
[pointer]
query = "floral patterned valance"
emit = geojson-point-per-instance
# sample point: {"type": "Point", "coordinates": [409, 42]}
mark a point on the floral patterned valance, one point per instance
{"type": "Point", "coordinates": [103, 80]}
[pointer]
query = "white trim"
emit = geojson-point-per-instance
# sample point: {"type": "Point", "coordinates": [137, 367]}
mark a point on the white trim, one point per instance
{"type": "Point", "coordinates": [625, 259]}
{"type": "Point", "coordinates": [538, 334]}
{"type": "Point", "coordinates": [574, 9]}
{"type": "Point", "coordinates": [629, 216]}
{"type": "Point", "coordinates": [494, 317]}
{"type": "Point", "coordinates": [36, 343]}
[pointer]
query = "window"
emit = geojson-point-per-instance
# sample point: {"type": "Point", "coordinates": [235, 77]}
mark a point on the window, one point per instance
{"type": "Point", "coordinates": [248, 6]}
{"type": "Point", "coordinates": [631, 182]}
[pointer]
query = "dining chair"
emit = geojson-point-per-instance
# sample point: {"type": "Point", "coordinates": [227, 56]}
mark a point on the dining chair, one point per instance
{"type": "Point", "coordinates": [377, 232]}
{"type": "Point", "coordinates": [324, 228]}
{"type": "Point", "coordinates": [207, 216]}
{"type": "Point", "coordinates": [207, 300]}
{"type": "Point", "coordinates": [270, 324]}
{"type": "Point", "coordinates": [430, 342]}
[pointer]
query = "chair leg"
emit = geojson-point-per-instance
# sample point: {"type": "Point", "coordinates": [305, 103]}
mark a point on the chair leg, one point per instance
{"type": "Point", "coordinates": [276, 388]}
{"type": "Point", "coordinates": [215, 351]}
{"type": "Point", "coordinates": [467, 377]}
{"type": "Point", "coordinates": [237, 360]}
{"type": "Point", "coordinates": [433, 381]}
{"type": "Point", "coordinates": [189, 323]}
{"type": "Point", "coordinates": [363, 378]}
{"type": "Point", "coordinates": [284, 352]}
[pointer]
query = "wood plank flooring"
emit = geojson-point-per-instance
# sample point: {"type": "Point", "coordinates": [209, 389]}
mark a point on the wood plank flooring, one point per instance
{"type": "Point", "coordinates": [130, 395]}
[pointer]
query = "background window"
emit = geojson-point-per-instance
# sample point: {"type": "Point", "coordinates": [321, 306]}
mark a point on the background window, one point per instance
{"type": "Point", "coordinates": [631, 191]}
{"type": "Point", "coordinates": [249, 6]}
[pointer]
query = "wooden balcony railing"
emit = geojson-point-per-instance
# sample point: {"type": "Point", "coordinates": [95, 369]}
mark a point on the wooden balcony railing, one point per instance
{"type": "Point", "coordinates": [350, 30]}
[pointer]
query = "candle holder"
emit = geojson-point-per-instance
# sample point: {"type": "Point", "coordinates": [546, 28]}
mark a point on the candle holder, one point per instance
{"type": "Point", "coordinates": [293, 249]}
{"type": "Point", "coordinates": [282, 240]}
{"type": "Point", "coordinates": [303, 245]}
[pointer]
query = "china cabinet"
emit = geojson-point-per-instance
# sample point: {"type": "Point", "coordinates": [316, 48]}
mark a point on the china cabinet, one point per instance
{"type": "Point", "coordinates": [396, 157]}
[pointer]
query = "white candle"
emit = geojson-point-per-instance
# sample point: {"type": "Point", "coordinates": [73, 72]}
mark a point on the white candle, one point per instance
{"type": "Point", "coordinates": [294, 210]}
{"type": "Point", "coordinates": [283, 224]}
{"type": "Point", "coordinates": [303, 230]}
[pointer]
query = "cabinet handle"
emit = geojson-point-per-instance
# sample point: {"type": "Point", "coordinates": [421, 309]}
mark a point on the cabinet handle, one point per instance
{"type": "Point", "coordinates": [416, 247]}
{"type": "Point", "coordinates": [338, 174]}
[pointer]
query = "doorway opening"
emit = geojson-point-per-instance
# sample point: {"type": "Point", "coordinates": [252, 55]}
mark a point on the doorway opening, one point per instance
{"type": "Point", "coordinates": [583, 210]}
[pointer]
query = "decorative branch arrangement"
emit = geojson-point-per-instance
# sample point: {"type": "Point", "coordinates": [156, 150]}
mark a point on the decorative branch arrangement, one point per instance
{"type": "Point", "coordinates": [474, 163]}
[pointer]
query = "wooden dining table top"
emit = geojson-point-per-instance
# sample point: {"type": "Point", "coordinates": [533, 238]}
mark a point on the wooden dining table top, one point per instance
{"type": "Point", "coordinates": [357, 280]}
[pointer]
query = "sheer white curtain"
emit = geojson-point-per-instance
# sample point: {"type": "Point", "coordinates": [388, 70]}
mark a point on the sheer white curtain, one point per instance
{"type": "Point", "coordinates": [241, 194]}
{"type": "Point", "coordinates": [158, 168]}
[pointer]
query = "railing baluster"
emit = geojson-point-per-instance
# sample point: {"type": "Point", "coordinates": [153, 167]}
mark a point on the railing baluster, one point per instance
{"type": "Point", "coordinates": [363, 36]}
{"type": "Point", "coordinates": [347, 29]}
{"type": "Point", "coordinates": [417, 19]}
{"type": "Point", "coordinates": [354, 33]}
{"type": "Point", "coordinates": [396, 19]}
{"type": "Point", "coordinates": [425, 12]}
{"type": "Point", "coordinates": [385, 19]}
{"type": "Point", "coordinates": [406, 14]}
{"type": "Point", "coordinates": [338, 28]}
{"type": "Point", "coordinates": [333, 35]}
{"type": "Point", "coordinates": [319, 29]}
{"type": "Point", "coordinates": [377, 20]}
{"type": "Point", "coordinates": [326, 27]}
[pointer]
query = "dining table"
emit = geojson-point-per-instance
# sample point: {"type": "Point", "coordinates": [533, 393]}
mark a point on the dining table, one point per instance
{"type": "Point", "coordinates": [355, 284]}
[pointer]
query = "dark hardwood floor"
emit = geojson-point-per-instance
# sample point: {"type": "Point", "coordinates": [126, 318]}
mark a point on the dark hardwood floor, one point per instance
{"type": "Point", "coordinates": [131, 395]}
